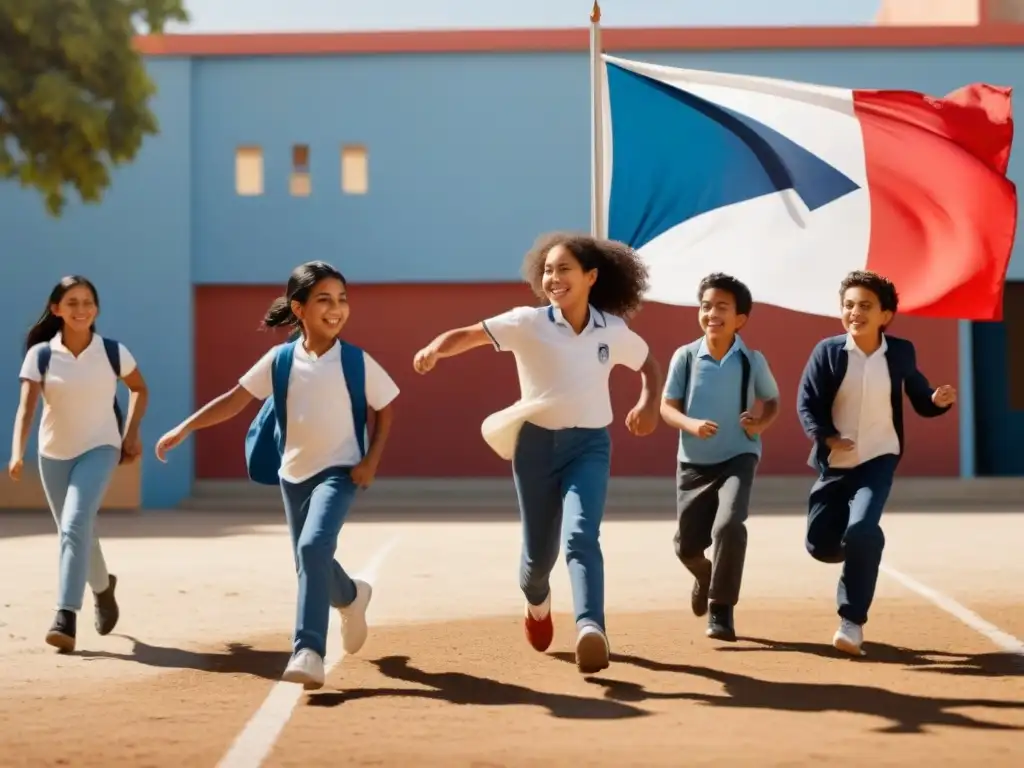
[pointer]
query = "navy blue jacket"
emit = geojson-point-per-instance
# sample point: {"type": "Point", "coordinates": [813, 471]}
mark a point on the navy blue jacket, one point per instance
{"type": "Point", "coordinates": [825, 371]}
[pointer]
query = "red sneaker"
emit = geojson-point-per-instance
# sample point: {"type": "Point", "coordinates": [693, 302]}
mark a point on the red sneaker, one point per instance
{"type": "Point", "coordinates": [540, 632]}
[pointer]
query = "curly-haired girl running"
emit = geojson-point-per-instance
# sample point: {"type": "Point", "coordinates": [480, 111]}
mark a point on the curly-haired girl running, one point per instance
{"type": "Point", "coordinates": [565, 351]}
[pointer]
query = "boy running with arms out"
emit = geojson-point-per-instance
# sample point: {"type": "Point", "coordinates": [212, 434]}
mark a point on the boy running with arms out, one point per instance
{"type": "Point", "coordinates": [850, 404]}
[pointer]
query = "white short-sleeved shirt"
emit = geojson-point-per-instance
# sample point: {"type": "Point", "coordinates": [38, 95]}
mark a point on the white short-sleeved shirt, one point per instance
{"type": "Point", "coordinates": [78, 398]}
{"type": "Point", "coordinates": [320, 432]}
{"type": "Point", "coordinates": [569, 372]}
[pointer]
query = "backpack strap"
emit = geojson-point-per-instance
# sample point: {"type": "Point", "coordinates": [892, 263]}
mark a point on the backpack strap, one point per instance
{"type": "Point", "coordinates": [353, 366]}
{"type": "Point", "coordinates": [113, 350]}
{"type": "Point", "coordinates": [690, 354]}
{"type": "Point", "coordinates": [43, 355]}
{"type": "Point", "coordinates": [745, 384]}
{"type": "Point", "coordinates": [280, 372]}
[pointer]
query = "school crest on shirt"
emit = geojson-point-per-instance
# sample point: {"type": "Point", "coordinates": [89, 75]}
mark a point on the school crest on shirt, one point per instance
{"type": "Point", "coordinates": [602, 353]}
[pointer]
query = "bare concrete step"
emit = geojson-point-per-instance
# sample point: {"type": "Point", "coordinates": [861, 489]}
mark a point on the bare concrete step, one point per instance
{"type": "Point", "coordinates": [644, 493]}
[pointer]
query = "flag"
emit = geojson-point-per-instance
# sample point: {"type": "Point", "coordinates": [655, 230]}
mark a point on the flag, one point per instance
{"type": "Point", "coordinates": [789, 186]}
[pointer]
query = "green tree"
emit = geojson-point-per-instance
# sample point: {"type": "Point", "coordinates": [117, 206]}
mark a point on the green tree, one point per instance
{"type": "Point", "coordinates": [74, 92]}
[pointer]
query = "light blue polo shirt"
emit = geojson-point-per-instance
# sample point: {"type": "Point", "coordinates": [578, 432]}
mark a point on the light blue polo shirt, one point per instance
{"type": "Point", "coordinates": [715, 394]}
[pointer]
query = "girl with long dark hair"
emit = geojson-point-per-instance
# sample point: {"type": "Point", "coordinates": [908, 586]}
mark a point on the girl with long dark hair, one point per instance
{"type": "Point", "coordinates": [323, 452]}
{"type": "Point", "coordinates": [82, 438]}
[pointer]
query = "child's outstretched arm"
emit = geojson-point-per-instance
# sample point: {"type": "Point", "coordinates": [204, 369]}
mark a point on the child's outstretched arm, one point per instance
{"type": "Point", "coordinates": [218, 410]}
{"type": "Point", "coordinates": [928, 402]}
{"type": "Point", "coordinates": [451, 343]}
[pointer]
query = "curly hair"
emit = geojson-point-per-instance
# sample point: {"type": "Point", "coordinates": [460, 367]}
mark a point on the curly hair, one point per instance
{"type": "Point", "coordinates": [882, 287]}
{"type": "Point", "coordinates": [621, 275]}
{"type": "Point", "coordinates": [723, 282]}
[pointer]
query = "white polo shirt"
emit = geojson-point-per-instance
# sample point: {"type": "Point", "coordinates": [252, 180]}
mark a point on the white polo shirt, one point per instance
{"type": "Point", "coordinates": [320, 432]}
{"type": "Point", "coordinates": [569, 372]}
{"type": "Point", "coordinates": [862, 410]}
{"type": "Point", "coordinates": [78, 398]}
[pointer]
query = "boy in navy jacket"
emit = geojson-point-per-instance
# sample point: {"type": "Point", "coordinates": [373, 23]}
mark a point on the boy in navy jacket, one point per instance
{"type": "Point", "coordinates": [850, 404]}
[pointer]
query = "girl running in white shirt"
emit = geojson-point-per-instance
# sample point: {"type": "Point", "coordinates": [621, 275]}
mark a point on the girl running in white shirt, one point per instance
{"type": "Point", "coordinates": [565, 351]}
{"type": "Point", "coordinates": [317, 391]}
{"type": "Point", "coordinates": [82, 438]}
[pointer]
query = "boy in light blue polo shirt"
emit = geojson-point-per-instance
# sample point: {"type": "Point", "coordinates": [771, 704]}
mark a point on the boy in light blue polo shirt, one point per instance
{"type": "Point", "coordinates": [710, 390]}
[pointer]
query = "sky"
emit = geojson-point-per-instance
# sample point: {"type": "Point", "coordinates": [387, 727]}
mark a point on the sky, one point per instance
{"type": "Point", "coordinates": [340, 15]}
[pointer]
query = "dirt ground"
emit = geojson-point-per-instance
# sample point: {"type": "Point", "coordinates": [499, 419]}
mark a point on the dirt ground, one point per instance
{"type": "Point", "coordinates": [446, 678]}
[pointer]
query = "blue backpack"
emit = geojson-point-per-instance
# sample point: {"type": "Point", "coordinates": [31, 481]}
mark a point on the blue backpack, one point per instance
{"type": "Point", "coordinates": [265, 441]}
{"type": "Point", "coordinates": [113, 350]}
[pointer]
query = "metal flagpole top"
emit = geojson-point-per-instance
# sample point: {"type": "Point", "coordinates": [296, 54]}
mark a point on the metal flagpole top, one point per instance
{"type": "Point", "coordinates": [595, 13]}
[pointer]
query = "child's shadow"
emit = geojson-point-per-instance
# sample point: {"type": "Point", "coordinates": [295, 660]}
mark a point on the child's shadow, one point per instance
{"type": "Point", "coordinates": [239, 659]}
{"type": "Point", "coordinates": [969, 664]}
{"type": "Point", "coordinates": [464, 689]}
{"type": "Point", "coordinates": [906, 713]}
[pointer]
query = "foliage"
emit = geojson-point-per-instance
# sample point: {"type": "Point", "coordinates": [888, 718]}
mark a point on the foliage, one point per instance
{"type": "Point", "coordinates": [74, 92]}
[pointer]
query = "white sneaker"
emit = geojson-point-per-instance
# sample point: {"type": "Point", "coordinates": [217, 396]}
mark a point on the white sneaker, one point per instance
{"type": "Point", "coordinates": [353, 619]}
{"type": "Point", "coordinates": [592, 650]}
{"type": "Point", "coordinates": [307, 668]}
{"type": "Point", "coordinates": [849, 638]}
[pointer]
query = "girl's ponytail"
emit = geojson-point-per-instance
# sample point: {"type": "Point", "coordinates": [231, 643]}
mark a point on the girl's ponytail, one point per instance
{"type": "Point", "coordinates": [280, 313]}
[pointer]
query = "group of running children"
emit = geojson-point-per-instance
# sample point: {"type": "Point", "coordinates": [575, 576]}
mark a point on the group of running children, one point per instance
{"type": "Point", "coordinates": [718, 393]}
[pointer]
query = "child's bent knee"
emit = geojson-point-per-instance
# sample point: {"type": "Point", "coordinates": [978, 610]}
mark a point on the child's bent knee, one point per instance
{"type": "Point", "coordinates": [825, 554]}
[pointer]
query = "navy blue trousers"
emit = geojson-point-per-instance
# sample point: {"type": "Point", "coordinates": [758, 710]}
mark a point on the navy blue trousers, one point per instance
{"type": "Point", "coordinates": [844, 526]}
{"type": "Point", "coordinates": [561, 479]}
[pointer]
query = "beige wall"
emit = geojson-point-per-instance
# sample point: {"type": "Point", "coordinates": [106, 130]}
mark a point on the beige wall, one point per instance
{"type": "Point", "coordinates": [125, 490]}
{"type": "Point", "coordinates": [929, 12]}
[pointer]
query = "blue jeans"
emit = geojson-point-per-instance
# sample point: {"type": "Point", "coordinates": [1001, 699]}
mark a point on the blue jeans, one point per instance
{"type": "Point", "coordinates": [844, 526]}
{"type": "Point", "coordinates": [561, 479]}
{"type": "Point", "coordinates": [74, 490]}
{"type": "Point", "coordinates": [316, 509]}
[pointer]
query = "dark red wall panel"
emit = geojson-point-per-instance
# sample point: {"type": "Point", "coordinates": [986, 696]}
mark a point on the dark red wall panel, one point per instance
{"type": "Point", "coordinates": [437, 427]}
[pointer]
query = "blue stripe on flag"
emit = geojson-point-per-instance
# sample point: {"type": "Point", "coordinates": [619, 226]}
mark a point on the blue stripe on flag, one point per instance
{"type": "Point", "coordinates": [676, 156]}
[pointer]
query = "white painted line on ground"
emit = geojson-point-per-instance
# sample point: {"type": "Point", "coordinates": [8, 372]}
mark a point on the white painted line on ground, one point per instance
{"type": "Point", "coordinates": [1002, 639]}
{"type": "Point", "coordinates": [259, 735]}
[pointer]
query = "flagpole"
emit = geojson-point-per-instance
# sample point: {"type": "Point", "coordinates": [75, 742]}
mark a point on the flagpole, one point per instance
{"type": "Point", "coordinates": [597, 223]}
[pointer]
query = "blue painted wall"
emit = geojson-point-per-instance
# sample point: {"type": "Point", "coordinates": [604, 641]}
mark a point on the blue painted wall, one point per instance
{"type": "Point", "coordinates": [135, 247]}
{"type": "Point", "coordinates": [471, 156]}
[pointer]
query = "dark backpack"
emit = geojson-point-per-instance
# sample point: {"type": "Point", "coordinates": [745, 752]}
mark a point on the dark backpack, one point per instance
{"type": "Point", "coordinates": [690, 350]}
{"type": "Point", "coordinates": [113, 350]}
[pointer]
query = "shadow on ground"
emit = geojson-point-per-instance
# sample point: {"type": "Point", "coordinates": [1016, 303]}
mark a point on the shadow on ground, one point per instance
{"type": "Point", "coordinates": [905, 713]}
{"type": "Point", "coordinates": [237, 659]}
{"type": "Point", "coordinates": [971, 664]}
{"type": "Point", "coordinates": [469, 690]}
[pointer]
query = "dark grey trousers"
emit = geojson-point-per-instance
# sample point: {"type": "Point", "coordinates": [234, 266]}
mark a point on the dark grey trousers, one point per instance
{"type": "Point", "coordinates": [712, 502]}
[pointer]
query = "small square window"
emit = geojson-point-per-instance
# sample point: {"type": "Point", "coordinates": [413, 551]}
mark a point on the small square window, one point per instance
{"type": "Point", "coordinates": [300, 183]}
{"type": "Point", "coordinates": [355, 171]}
{"type": "Point", "coordinates": [249, 171]}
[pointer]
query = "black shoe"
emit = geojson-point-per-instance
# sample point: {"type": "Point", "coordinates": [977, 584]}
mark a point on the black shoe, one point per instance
{"type": "Point", "coordinates": [720, 625]}
{"type": "Point", "coordinates": [107, 612]}
{"type": "Point", "coordinates": [62, 632]}
{"type": "Point", "coordinates": [701, 585]}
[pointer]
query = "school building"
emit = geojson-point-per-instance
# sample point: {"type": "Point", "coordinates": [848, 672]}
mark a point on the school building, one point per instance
{"type": "Point", "coordinates": [424, 165]}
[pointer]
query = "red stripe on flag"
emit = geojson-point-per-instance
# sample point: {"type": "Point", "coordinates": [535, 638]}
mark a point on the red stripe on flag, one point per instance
{"type": "Point", "coordinates": [943, 213]}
